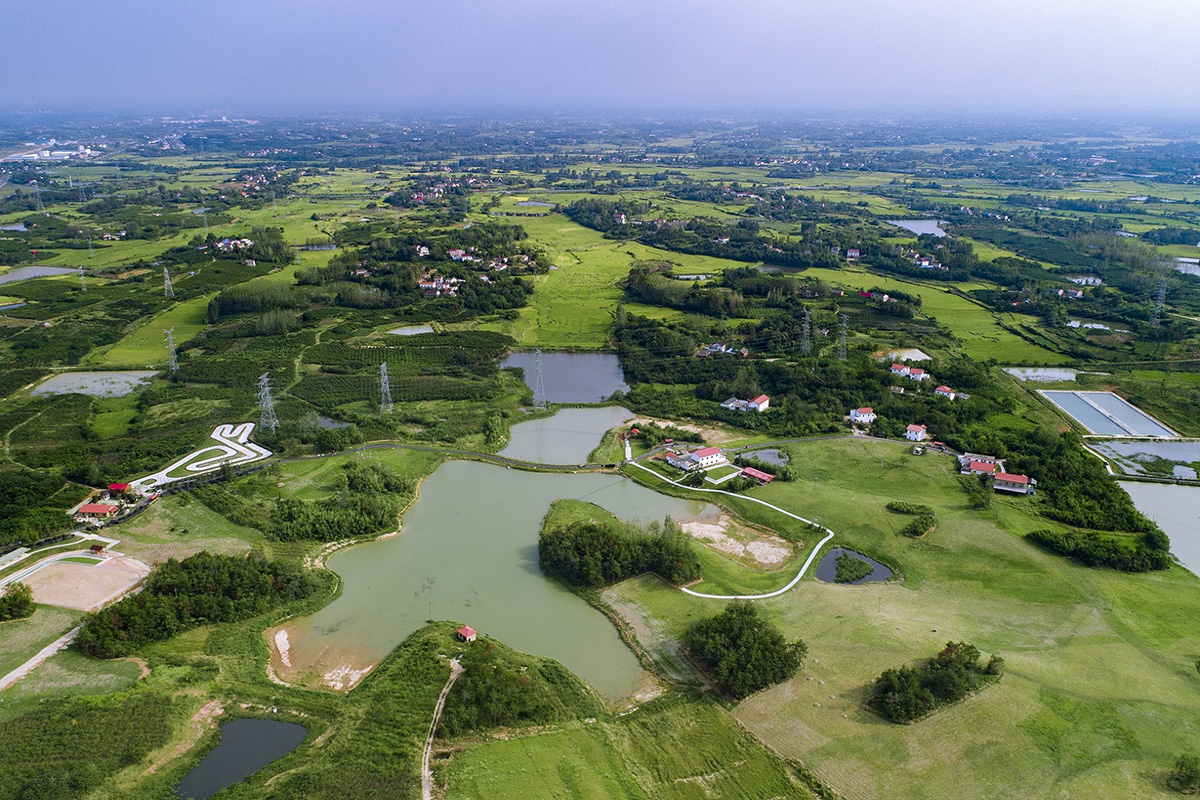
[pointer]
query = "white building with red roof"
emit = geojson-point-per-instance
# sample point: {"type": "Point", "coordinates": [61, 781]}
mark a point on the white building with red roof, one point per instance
{"type": "Point", "coordinates": [900, 369]}
{"type": "Point", "coordinates": [760, 403]}
{"type": "Point", "coordinates": [944, 391]}
{"type": "Point", "coordinates": [1016, 484]}
{"type": "Point", "coordinates": [917, 374]}
{"type": "Point", "coordinates": [915, 433]}
{"type": "Point", "coordinates": [864, 415]}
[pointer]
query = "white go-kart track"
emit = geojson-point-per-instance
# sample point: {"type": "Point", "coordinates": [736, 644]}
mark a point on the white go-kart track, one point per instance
{"type": "Point", "coordinates": [233, 447]}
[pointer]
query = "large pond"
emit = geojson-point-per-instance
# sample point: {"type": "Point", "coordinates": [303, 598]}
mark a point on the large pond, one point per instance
{"type": "Point", "coordinates": [1106, 413]}
{"type": "Point", "coordinates": [99, 384]}
{"type": "Point", "coordinates": [1043, 374]}
{"type": "Point", "coordinates": [572, 377]}
{"type": "Point", "coordinates": [247, 745]}
{"type": "Point", "coordinates": [919, 226]}
{"type": "Point", "coordinates": [25, 273]}
{"type": "Point", "coordinates": [412, 330]}
{"type": "Point", "coordinates": [827, 568]}
{"type": "Point", "coordinates": [568, 437]}
{"type": "Point", "coordinates": [1176, 509]}
{"type": "Point", "coordinates": [468, 552]}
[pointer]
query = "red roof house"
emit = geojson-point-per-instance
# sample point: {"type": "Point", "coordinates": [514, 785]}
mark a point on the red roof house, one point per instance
{"type": "Point", "coordinates": [98, 509]}
{"type": "Point", "coordinates": [118, 487]}
{"type": "Point", "coordinates": [758, 475]}
{"type": "Point", "coordinates": [467, 633]}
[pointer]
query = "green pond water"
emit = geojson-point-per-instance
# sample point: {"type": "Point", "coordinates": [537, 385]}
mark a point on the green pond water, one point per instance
{"type": "Point", "coordinates": [468, 552]}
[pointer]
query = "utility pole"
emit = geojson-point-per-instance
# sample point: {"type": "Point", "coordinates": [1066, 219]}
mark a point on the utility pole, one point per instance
{"type": "Point", "coordinates": [806, 333]}
{"type": "Point", "coordinates": [172, 358]}
{"type": "Point", "coordinates": [1160, 297]}
{"type": "Point", "coordinates": [82, 281]}
{"type": "Point", "coordinates": [268, 419]}
{"type": "Point", "coordinates": [168, 289]}
{"type": "Point", "coordinates": [385, 390]}
{"type": "Point", "coordinates": [90, 253]}
{"type": "Point", "coordinates": [539, 391]}
{"type": "Point", "coordinates": [845, 321]}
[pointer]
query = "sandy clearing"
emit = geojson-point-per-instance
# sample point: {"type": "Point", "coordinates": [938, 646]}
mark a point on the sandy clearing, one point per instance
{"type": "Point", "coordinates": [344, 677]}
{"type": "Point", "coordinates": [740, 542]}
{"type": "Point", "coordinates": [283, 648]}
{"type": "Point", "coordinates": [84, 587]}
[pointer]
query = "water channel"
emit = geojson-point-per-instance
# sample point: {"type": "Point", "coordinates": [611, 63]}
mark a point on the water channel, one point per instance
{"type": "Point", "coordinates": [468, 552]}
{"type": "Point", "coordinates": [247, 745]}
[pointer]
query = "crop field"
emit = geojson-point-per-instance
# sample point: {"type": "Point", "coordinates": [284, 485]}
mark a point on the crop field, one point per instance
{"type": "Point", "coordinates": [673, 749]}
{"type": "Point", "coordinates": [146, 346]}
{"type": "Point", "coordinates": [1100, 684]}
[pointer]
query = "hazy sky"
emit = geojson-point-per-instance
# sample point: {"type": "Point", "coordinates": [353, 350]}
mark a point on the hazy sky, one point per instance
{"type": "Point", "coordinates": [259, 56]}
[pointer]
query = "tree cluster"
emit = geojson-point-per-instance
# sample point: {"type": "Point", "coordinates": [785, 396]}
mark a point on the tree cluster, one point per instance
{"type": "Point", "coordinates": [743, 651]}
{"type": "Point", "coordinates": [594, 554]}
{"type": "Point", "coordinates": [16, 602]}
{"type": "Point", "coordinates": [909, 693]}
{"type": "Point", "coordinates": [1152, 552]}
{"type": "Point", "coordinates": [201, 589]}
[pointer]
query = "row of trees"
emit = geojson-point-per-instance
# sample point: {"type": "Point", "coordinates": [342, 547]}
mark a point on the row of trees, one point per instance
{"type": "Point", "coordinates": [594, 554]}
{"type": "Point", "coordinates": [201, 589]}
{"type": "Point", "coordinates": [1151, 552]}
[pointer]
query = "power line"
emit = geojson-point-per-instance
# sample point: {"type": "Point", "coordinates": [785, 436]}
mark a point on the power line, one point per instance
{"type": "Point", "coordinates": [806, 333]}
{"type": "Point", "coordinates": [168, 289]}
{"type": "Point", "coordinates": [539, 392]}
{"type": "Point", "coordinates": [845, 321]}
{"type": "Point", "coordinates": [385, 390]}
{"type": "Point", "coordinates": [268, 419]}
{"type": "Point", "coordinates": [1160, 297]}
{"type": "Point", "coordinates": [82, 281]}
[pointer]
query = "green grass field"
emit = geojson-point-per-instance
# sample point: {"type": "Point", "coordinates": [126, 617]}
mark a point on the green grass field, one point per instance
{"type": "Point", "coordinates": [145, 346]}
{"type": "Point", "coordinates": [1101, 691]}
{"type": "Point", "coordinates": [21, 638]}
{"type": "Point", "coordinates": [668, 749]}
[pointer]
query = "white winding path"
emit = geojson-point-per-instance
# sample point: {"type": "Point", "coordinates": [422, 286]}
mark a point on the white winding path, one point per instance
{"type": "Point", "coordinates": [777, 592]}
{"type": "Point", "coordinates": [233, 447]}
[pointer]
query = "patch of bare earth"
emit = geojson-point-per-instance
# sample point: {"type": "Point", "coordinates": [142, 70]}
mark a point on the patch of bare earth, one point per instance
{"type": "Point", "coordinates": [85, 587]}
{"type": "Point", "coordinates": [746, 545]}
{"type": "Point", "coordinates": [201, 721]}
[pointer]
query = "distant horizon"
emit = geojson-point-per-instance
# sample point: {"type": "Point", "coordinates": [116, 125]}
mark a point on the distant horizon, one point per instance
{"type": "Point", "coordinates": [369, 57]}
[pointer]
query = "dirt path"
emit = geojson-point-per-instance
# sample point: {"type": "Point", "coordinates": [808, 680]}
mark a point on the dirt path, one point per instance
{"type": "Point", "coordinates": [427, 773]}
{"type": "Point", "coordinates": [33, 663]}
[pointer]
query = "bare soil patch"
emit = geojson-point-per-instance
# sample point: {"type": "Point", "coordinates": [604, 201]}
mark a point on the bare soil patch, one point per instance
{"type": "Point", "coordinates": [83, 587]}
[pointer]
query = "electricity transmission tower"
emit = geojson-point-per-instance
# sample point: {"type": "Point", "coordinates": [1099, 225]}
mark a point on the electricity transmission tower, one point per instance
{"type": "Point", "coordinates": [90, 253]}
{"type": "Point", "coordinates": [845, 321]}
{"type": "Point", "coordinates": [1160, 297]}
{"type": "Point", "coordinates": [82, 281]}
{"type": "Point", "coordinates": [172, 358]}
{"type": "Point", "coordinates": [539, 391]}
{"type": "Point", "coordinates": [268, 418]}
{"type": "Point", "coordinates": [168, 289]}
{"type": "Point", "coordinates": [385, 390]}
{"type": "Point", "coordinates": [806, 333]}
{"type": "Point", "coordinates": [205, 213]}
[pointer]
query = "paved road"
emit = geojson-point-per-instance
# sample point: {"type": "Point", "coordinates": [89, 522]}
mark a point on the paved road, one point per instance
{"type": "Point", "coordinates": [33, 663]}
{"type": "Point", "coordinates": [777, 592]}
{"type": "Point", "coordinates": [427, 773]}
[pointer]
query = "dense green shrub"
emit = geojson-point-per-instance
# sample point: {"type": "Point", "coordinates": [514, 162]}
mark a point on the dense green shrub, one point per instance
{"type": "Point", "coordinates": [201, 589]}
{"type": "Point", "coordinates": [742, 650]}
{"type": "Point", "coordinates": [907, 694]}
{"type": "Point", "coordinates": [921, 525]}
{"type": "Point", "coordinates": [1186, 778]}
{"type": "Point", "coordinates": [1152, 552]}
{"type": "Point", "coordinates": [595, 554]}
{"type": "Point", "coordinates": [901, 507]}
{"type": "Point", "coordinates": [16, 602]}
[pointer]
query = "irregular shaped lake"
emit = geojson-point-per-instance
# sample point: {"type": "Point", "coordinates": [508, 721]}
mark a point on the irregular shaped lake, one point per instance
{"type": "Point", "coordinates": [247, 745]}
{"type": "Point", "coordinates": [919, 226]}
{"type": "Point", "coordinates": [1176, 509]}
{"type": "Point", "coordinates": [412, 330]}
{"type": "Point", "coordinates": [98, 384]}
{"type": "Point", "coordinates": [568, 437]}
{"type": "Point", "coordinates": [572, 377]}
{"type": "Point", "coordinates": [468, 552]}
{"type": "Point", "coordinates": [25, 273]}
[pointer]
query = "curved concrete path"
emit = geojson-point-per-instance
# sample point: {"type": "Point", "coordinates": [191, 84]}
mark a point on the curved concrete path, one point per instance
{"type": "Point", "coordinates": [777, 592]}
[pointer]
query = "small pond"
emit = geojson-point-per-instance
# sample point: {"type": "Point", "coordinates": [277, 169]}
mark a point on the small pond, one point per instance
{"type": "Point", "coordinates": [1043, 374]}
{"type": "Point", "coordinates": [1176, 509]}
{"type": "Point", "coordinates": [908, 354]}
{"type": "Point", "coordinates": [247, 745]}
{"type": "Point", "coordinates": [919, 226]}
{"type": "Point", "coordinates": [771, 456]}
{"type": "Point", "coordinates": [412, 330]}
{"type": "Point", "coordinates": [15, 227]}
{"type": "Point", "coordinates": [827, 569]}
{"type": "Point", "coordinates": [565, 438]}
{"type": "Point", "coordinates": [331, 424]}
{"type": "Point", "coordinates": [1093, 325]}
{"type": "Point", "coordinates": [25, 273]}
{"type": "Point", "coordinates": [572, 377]}
{"type": "Point", "coordinates": [537, 203]}
{"type": "Point", "coordinates": [11, 306]}
{"type": "Point", "coordinates": [97, 384]}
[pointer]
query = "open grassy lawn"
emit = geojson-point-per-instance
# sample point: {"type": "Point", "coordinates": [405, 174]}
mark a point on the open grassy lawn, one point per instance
{"type": "Point", "coordinates": [21, 638]}
{"type": "Point", "coordinates": [669, 749]}
{"type": "Point", "coordinates": [67, 673]}
{"type": "Point", "coordinates": [1101, 692]}
{"type": "Point", "coordinates": [145, 347]}
{"type": "Point", "coordinates": [159, 532]}
{"type": "Point", "coordinates": [978, 328]}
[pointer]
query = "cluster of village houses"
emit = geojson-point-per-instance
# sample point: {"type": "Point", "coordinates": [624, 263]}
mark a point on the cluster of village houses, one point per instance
{"type": "Point", "coordinates": [719, 349]}
{"type": "Point", "coordinates": [924, 262]}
